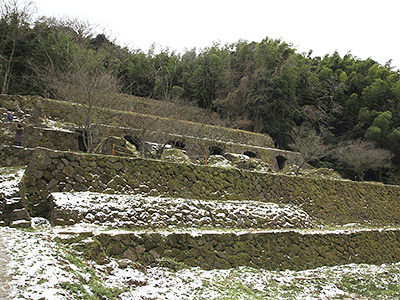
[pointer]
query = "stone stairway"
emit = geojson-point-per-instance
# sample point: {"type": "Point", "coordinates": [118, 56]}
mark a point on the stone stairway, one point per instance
{"type": "Point", "coordinates": [12, 208]}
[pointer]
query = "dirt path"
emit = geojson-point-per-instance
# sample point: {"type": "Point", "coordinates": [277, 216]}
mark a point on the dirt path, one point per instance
{"type": "Point", "coordinates": [4, 277]}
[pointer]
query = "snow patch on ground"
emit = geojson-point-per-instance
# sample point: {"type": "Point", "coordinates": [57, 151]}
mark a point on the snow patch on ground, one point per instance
{"type": "Point", "coordinates": [36, 266]}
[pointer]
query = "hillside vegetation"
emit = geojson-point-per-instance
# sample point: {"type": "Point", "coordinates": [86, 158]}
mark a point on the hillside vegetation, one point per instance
{"type": "Point", "coordinates": [264, 86]}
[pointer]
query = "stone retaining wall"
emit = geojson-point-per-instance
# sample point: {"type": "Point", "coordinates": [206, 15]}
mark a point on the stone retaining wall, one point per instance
{"type": "Point", "coordinates": [12, 208]}
{"type": "Point", "coordinates": [269, 250]}
{"type": "Point", "coordinates": [14, 156]}
{"type": "Point", "coordinates": [198, 138]}
{"type": "Point", "coordinates": [195, 147]}
{"type": "Point", "coordinates": [61, 110]}
{"type": "Point", "coordinates": [51, 139]}
{"type": "Point", "coordinates": [330, 201]}
{"type": "Point", "coordinates": [67, 140]}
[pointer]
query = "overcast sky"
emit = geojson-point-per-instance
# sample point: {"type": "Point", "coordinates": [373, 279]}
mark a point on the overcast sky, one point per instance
{"type": "Point", "coordinates": [366, 28]}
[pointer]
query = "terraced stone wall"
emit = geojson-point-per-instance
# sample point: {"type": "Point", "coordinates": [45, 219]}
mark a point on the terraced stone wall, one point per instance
{"type": "Point", "coordinates": [61, 110]}
{"type": "Point", "coordinates": [197, 137]}
{"type": "Point", "coordinates": [51, 139]}
{"type": "Point", "coordinates": [67, 140]}
{"type": "Point", "coordinates": [14, 156]}
{"type": "Point", "coordinates": [329, 201]}
{"type": "Point", "coordinates": [273, 250]}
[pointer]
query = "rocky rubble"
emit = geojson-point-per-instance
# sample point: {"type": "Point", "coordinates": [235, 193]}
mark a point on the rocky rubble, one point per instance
{"type": "Point", "coordinates": [175, 155]}
{"type": "Point", "coordinates": [116, 146]}
{"type": "Point", "coordinates": [240, 161]}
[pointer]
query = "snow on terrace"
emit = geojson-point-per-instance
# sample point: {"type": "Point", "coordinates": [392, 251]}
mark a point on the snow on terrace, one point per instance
{"type": "Point", "coordinates": [159, 212]}
{"type": "Point", "coordinates": [42, 269]}
{"type": "Point", "coordinates": [55, 125]}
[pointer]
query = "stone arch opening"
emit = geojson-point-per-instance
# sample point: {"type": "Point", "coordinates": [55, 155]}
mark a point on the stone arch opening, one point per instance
{"type": "Point", "coordinates": [133, 140]}
{"type": "Point", "coordinates": [179, 144]}
{"type": "Point", "coordinates": [281, 160]}
{"type": "Point", "coordinates": [250, 154]}
{"type": "Point", "coordinates": [215, 150]}
{"type": "Point", "coordinates": [81, 142]}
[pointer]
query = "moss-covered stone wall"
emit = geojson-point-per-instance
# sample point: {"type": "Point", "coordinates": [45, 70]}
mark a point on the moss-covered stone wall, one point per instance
{"type": "Point", "coordinates": [14, 156]}
{"type": "Point", "coordinates": [62, 111]}
{"type": "Point", "coordinates": [68, 140]}
{"type": "Point", "coordinates": [166, 108]}
{"type": "Point", "coordinates": [330, 201]}
{"type": "Point", "coordinates": [51, 139]}
{"type": "Point", "coordinates": [268, 250]}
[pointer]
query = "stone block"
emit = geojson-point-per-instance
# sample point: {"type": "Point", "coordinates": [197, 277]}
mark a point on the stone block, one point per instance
{"type": "Point", "coordinates": [21, 224]}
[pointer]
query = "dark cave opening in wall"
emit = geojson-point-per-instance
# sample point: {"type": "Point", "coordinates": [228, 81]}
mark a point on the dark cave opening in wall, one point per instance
{"type": "Point", "coordinates": [133, 140]}
{"type": "Point", "coordinates": [281, 161]}
{"type": "Point", "coordinates": [215, 150]}
{"type": "Point", "coordinates": [179, 144]}
{"type": "Point", "coordinates": [81, 142]}
{"type": "Point", "coordinates": [250, 154]}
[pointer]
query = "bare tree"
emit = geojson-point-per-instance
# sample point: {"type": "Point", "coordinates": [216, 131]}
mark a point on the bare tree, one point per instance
{"type": "Point", "coordinates": [362, 156]}
{"type": "Point", "coordinates": [205, 143]}
{"type": "Point", "coordinates": [309, 144]}
{"type": "Point", "coordinates": [90, 88]}
{"type": "Point", "coordinates": [147, 132]}
{"type": "Point", "coordinates": [159, 130]}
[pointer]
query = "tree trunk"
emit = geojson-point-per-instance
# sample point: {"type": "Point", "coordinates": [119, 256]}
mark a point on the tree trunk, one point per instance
{"type": "Point", "coordinates": [299, 167]}
{"type": "Point", "coordinates": [4, 87]}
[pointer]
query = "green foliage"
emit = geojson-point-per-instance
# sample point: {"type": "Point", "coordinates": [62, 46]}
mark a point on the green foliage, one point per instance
{"type": "Point", "coordinates": [378, 132]}
{"type": "Point", "coordinates": [373, 134]}
{"type": "Point", "coordinates": [394, 138]}
{"type": "Point", "coordinates": [15, 44]}
{"type": "Point", "coordinates": [383, 121]}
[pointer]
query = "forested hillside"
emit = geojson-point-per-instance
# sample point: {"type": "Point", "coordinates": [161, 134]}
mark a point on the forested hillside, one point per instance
{"type": "Point", "coordinates": [264, 86]}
